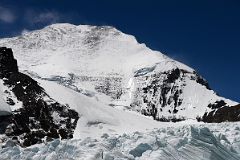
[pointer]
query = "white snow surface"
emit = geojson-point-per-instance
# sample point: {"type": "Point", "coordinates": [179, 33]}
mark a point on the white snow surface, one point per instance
{"type": "Point", "coordinates": [105, 132]}
{"type": "Point", "coordinates": [4, 107]}
{"type": "Point", "coordinates": [97, 118]}
{"type": "Point", "coordinates": [83, 50]}
{"type": "Point", "coordinates": [84, 57]}
{"type": "Point", "coordinates": [108, 133]}
{"type": "Point", "coordinates": [195, 142]}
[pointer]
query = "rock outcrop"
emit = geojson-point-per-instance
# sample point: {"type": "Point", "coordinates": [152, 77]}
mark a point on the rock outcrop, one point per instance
{"type": "Point", "coordinates": [39, 118]}
{"type": "Point", "coordinates": [222, 114]}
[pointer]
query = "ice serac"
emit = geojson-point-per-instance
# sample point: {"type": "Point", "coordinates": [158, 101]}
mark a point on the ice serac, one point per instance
{"type": "Point", "coordinates": [104, 63]}
{"type": "Point", "coordinates": [34, 116]}
{"type": "Point", "coordinates": [215, 142]}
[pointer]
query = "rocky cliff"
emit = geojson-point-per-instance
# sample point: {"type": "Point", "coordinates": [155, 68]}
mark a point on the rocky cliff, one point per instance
{"type": "Point", "coordinates": [35, 117]}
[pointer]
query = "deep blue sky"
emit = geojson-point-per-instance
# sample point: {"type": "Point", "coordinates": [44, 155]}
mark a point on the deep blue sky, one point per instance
{"type": "Point", "coordinates": [204, 34]}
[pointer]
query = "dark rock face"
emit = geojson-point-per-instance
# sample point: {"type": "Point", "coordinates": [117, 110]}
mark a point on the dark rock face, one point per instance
{"type": "Point", "coordinates": [160, 97]}
{"type": "Point", "coordinates": [217, 104]}
{"type": "Point", "coordinates": [40, 117]}
{"type": "Point", "coordinates": [222, 113]}
{"type": "Point", "coordinates": [201, 80]}
{"type": "Point", "coordinates": [8, 63]}
{"type": "Point", "coordinates": [156, 94]}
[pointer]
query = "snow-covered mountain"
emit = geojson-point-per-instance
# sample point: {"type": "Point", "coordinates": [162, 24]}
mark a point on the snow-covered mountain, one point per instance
{"type": "Point", "coordinates": [102, 88]}
{"type": "Point", "coordinates": [102, 132]}
{"type": "Point", "coordinates": [102, 62]}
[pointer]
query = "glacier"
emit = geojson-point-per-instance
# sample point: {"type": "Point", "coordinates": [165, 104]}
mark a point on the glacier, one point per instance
{"type": "Point", "coordinates": [198, 142]}
{"type": "Point", "coordinates": [127, 97]}
{"type": "Point", "coordinates": [101, 61]}
{"type": "Point", "coordinates": [108, 133]}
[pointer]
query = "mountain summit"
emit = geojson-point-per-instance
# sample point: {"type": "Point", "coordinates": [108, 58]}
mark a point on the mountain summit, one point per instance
{"type": "Point", "coordinates": [112, 67]}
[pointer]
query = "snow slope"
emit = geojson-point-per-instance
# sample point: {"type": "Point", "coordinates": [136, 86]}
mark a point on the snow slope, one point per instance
{"type": "Point", "coordinates": [109, 79]}
{"type": "Point", "coordinates": [102, 62]}
{"type": "Point", "coordinates": [104, 132]}
{"type": "Point", "coordinates": [84, 50]}
{"type": "Point", "coordinates": [97, 118]}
